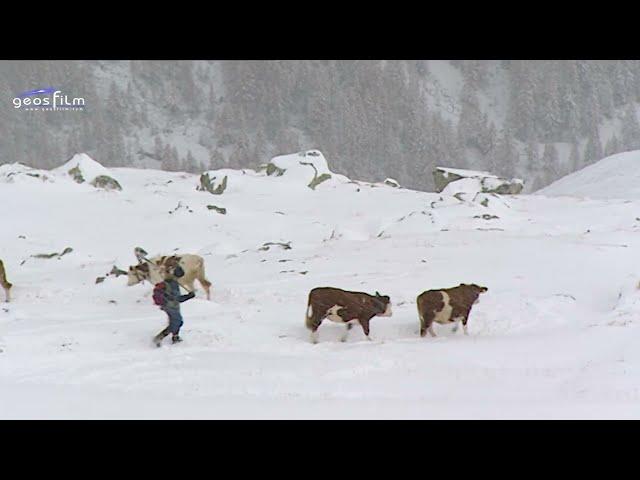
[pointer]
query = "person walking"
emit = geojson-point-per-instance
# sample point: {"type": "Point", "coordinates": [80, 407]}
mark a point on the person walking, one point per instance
{"type": "Point", "coordinates": [167, 295]}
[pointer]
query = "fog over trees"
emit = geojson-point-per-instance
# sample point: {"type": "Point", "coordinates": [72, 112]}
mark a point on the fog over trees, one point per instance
{"type": "Point", "coordinates": [537, 120]}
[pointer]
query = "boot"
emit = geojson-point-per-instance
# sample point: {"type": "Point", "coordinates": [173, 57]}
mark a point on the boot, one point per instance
{"type": "Point", "coordinates": [159, 337]}
{"type": "Point", "coordinates": [176, 339]}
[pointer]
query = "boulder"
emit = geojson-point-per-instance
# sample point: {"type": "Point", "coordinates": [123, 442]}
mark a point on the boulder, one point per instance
{"type": "Point", "coordinates": [456, 180]}
{"type": "Point", "coordinates": [309, 166]}
{"type": "Point", "coordinates": [106, 182]}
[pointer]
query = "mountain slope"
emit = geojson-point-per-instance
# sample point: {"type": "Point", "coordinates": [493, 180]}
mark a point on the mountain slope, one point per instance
{"type": "Point", "coordinates": [617, 176]}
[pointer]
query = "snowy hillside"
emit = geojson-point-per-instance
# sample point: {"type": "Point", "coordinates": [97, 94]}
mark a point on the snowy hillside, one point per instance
{"type": "Point", "coordinates": [555, 336]}
{"type": "Point", "coordinates": [617, 176]}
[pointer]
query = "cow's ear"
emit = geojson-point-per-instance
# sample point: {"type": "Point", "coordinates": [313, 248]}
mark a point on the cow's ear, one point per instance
{"type": "Point", "coordinates": [377, 294]}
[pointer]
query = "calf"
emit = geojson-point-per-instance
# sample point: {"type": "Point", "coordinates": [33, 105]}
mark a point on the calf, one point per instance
{"type": "Point", "coordinates": [447, 306]}
{"type": "Point", "coordinates": [5, 283]}
{"type": "Point", "coordinates": [344, 307]}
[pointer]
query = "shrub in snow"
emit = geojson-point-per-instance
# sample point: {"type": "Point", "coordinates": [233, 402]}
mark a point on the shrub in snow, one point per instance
{"type": "Point", "coordinates": [76, 174]}
{"type": "Point", "coordinates": [214, 185]}
{"type": "Point", "coordinates": [221, 210]}
{"type": "Point", "coordinates": [50, 255]}
{"type": "Point", "coordinates": [472, 182]}
{"type": "Point", "coordinates": [272, 170]}
{"type": "Point", "coordinates": [266, 246]}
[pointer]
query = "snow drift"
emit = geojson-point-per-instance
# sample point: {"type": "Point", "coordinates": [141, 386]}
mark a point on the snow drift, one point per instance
{"type": "Point", "coordinates": [82, 168]}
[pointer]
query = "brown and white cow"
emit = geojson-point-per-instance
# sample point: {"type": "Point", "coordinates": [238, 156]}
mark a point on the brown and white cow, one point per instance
{"type": "Point", "coordinates": [344, 307]}
{"type": "Point", "coordinates": [449, 305]}
{"type": "Point", "coordinates": [156, 269]}
{"type": "Point", "coordinates": [5, 283]}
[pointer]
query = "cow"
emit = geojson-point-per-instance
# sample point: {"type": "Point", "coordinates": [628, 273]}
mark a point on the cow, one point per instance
{"type": "Point", "coordinates": [155, 269]}
{"type": "Point", "coordinates": [345, 307]}
{"type": "Point", "coordinates": [449, 305]}
{"type": "Point", "coordinates": [5, 283]}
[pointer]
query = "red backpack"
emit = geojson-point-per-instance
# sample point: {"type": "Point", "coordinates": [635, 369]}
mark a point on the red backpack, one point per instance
{"type": "Point", "coordinates": [159, 297]}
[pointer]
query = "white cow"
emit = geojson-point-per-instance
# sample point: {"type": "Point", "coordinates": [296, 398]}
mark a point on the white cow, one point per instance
{"type": "Point", "coordinates": [156, 268]}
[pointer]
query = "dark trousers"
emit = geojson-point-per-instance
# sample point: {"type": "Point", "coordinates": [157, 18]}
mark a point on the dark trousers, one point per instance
{"type": "Point", "coordinates": [175, 320]}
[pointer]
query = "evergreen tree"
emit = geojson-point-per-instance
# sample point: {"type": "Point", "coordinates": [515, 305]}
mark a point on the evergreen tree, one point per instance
{"type": "Point", "coordinates": [630, 129]}
{"type": "Point", "coordinates": [550, 165]}
{"type": "Point", "coordinates": [575, 162]}
{"type": "Point", "coordinates": [593, 151]}
{"type": "Point", "coordinates": [612, 146]}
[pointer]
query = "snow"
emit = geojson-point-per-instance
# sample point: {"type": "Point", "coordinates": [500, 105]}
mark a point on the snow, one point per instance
{"type": "Point", "coordinates": [464, 185]}
{"type": "Point", "coordinates": [555, 336]}
{"type": "Point", "coordinates": [617, 176]}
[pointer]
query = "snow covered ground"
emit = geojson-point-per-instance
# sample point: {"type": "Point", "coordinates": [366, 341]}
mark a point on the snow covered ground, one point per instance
{"type": "Point", "coordinates": [556, 335]}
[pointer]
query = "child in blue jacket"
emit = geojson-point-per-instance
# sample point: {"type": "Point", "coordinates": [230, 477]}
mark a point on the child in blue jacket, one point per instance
{"type": "Point", "coordinates": [171, 307]}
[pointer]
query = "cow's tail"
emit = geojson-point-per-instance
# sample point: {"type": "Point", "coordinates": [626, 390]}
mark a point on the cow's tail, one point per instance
{"type": "Point", "coordinates": [309, 317]}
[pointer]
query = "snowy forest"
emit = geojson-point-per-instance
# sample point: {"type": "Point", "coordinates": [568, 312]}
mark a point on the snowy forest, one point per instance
{"type": "Point", "coordinates": [536, 120]}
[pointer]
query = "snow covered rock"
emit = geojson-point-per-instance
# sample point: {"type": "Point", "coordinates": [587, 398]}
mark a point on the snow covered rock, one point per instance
{"type": "Point", "coordinates": [82, 168]}
{"type": "Point", "coordinates": [309, 166]}
{"type": "Point", "coordinates": [12, 172]}
{"type": "Point", "coordinates": [474, 181]}
{"type": "Point", "coordinates": [391, 182]}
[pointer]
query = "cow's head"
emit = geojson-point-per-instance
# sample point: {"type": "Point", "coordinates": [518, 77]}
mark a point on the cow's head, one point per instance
{"type": "Point", "coordinates": [476, 291]}
{"type": "Point", "coordinates": [137, 274]}
{"type": "Point", "coordinates": [383, 305]}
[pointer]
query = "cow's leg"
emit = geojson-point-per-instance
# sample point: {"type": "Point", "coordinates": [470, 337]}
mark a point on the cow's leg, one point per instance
{"type": "Point", "coordinates": [426, 324]}
{"type": "Point", "coordinates": [206, 285]}
{"type": "Point", "coordinates": [314, 335]}
{"type": "Point", "coordinates": [346, 332]}
{"type": "Point", "coordinates": [207, 288]}
{"type": "Point", "coordinates": [7, 290]}
{"type": "Point", "coordinates": [457, 322]}
{"type": "Point", "coordinates": [364, 322]}
{"type": "Point", "coordinates": [313, 319]}
{"type": "Point", "coordinates": [464, 325]}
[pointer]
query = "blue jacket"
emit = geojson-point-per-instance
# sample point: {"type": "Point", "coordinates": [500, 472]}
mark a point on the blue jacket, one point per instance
{"type": "Point", "coordinates": [173, 297]}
